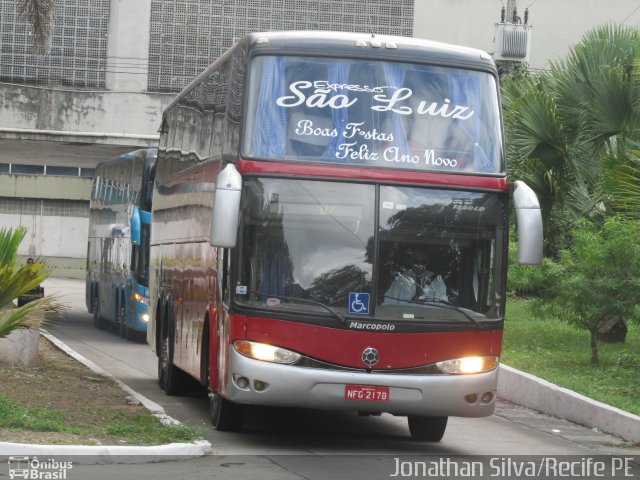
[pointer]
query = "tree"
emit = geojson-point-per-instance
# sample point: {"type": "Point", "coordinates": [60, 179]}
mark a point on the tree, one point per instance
{"type": "Point", "coordinates": [600, 277]}
{"type": "Point", "coordinates": [17, 280]}
{"type": "Point", "coordinates": [38, 13]}
{"type": "Point", "coordinates": [562, 125]}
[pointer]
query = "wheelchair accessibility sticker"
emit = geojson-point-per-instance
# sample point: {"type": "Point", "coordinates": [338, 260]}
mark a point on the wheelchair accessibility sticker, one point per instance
{"type": "Point", "coordinates": [358, 303]}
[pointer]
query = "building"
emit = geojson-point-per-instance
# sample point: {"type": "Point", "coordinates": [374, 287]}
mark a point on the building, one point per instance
{"type": "Point", "coordinates": [99, 87]}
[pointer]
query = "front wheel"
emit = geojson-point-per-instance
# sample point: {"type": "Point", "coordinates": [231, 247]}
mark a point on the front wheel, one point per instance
{"type": "Point", "coordinates": [226, 416]}
{"type": "Point", "coordinates": [123, 330]}
{"type": "Point", "coordinates": [427, 429]}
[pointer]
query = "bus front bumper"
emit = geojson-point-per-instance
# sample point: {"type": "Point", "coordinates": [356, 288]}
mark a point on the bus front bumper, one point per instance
{"type": "Point", "coordinates": [290, 386]}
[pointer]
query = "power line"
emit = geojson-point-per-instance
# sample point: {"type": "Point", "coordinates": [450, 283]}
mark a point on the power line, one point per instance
{"type": "Point", "coordinates": [634, 11]}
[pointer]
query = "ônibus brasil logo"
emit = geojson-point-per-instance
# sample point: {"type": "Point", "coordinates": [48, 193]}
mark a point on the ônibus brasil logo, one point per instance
{"type": "Point", "coordinates": [35, 469]}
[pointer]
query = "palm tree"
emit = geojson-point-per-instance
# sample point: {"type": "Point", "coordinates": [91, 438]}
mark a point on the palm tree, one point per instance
{"type": "Point", "coordinates": [17, 280]}
{"type": "Point", "coordinates": [562, 125]}
{"type": "Point", "coordinates": [38, 13]}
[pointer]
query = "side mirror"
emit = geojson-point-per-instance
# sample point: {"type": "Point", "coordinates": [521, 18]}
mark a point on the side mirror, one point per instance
{"type": "Point", "coordinates": [135, 225]}
{"type": "Point", "coordinates": [226, 208]}
{"type": "Point", "coordinates": [529, 218]}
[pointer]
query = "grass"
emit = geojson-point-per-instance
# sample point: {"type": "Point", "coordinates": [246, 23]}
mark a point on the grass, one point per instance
{"type": "Point", "coordinates": [560, 353]}
{"type": "Point", "coordinates": [148, 430]}
{"type": "Point", "coordinates": [14, 415]}
{"type": "Point", "coordinates": [60, 401]}
{"type": "Point", "coordinates": [131, 429]}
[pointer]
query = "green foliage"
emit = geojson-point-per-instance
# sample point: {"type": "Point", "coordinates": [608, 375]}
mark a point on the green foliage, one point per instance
{"type": "Point", "coordinates": [149, 430]}
{"type": "Point", "coordinates": [598, 278]}
{"type": "Point", "coordinates": [135, 429]}
{"type": "Point", "coordinates": [601, 273]}
{"type": "Point", "coordinates": [567, 130]}
{"type": "Point", "coordinates": [16, 280]}
{"type": "Point", "coordinates": [531, 280]}
{"type": "Point", "coordinates": [16, 416]}
{"type": "Point", "coordinates": [556, 352]}
{"type": "Point", "coordinates": [622, 183]}
{"type": "Point", "coordinates": [629, 360]}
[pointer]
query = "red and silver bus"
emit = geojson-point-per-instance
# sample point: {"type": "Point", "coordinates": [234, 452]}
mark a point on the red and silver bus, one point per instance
{"type": "Point", "coordinates": [296, 179]}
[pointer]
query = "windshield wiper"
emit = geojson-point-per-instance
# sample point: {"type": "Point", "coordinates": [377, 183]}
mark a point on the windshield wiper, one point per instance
{"type": "Point", "coordinates": [436, 302]}
{"type": "Point", "coordinates": [335, 314]}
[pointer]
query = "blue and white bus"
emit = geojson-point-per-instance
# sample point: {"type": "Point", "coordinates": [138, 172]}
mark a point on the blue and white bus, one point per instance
{"type": "Point", "coordinates": [117, 289]}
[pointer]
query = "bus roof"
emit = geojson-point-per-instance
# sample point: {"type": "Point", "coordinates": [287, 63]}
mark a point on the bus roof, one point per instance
{"type": "Point", "coordinates": [326, 43]}
{"type": "Point", "coordinates": [354, 45]}
{"type": "Point", "coordinates": [149, 154]}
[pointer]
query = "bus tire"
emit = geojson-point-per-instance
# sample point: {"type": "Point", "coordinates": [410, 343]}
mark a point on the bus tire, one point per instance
{"type": "Point", "coordinates": [97, 321]}
{"type": "Point", "coordinates": [120, 318]}
{"type": "Point", "coordinates": [427, 429]}
{"type": "Point", "coordinates": [226, 416]}
{"type": "Point", "coordinates": [173, 380]}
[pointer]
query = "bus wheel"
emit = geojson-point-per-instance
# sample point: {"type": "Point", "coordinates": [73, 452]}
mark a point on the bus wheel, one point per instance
{"type": "Point", "coordinates": [427, 429]}
{"type": "Point", "coordinates": [122, 328]}
{"type": "Point", "coordinates": [171, 378]}
{"type": "Point", "coordinates": [226, 416]}
{"type": "Point", "coordinates": [97, 321]}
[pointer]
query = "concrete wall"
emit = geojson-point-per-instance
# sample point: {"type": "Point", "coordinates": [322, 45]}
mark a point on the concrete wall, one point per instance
{"type": "Point", "coordinates": [55, 211]}
{"type": "Point", "coordinates": [128, 47]}
{"type": "Point", "coordinates": [112, 117]}
{"type": "Point", "coordinates": [37, 186]}
{"type": "Point", "coordinates": [556, 24]}
{"type": "Point", "coordinates": [50, 236]}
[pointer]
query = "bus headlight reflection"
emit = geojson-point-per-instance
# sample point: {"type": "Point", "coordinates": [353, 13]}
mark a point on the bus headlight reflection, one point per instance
{"type": "Point", "coordinates": [466, 365]}
{"type": "Point", "coordinates": [265, 352]}
{"type": "Point", "coordinates": [141, 298]}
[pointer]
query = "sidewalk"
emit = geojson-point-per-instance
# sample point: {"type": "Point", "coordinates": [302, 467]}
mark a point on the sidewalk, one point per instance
{"type": "Point", "coordinates": [538, 394]}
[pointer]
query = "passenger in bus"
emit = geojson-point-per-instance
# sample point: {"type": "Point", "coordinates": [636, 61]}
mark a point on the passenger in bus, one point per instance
{"type": "Point", "coordinates": [416, 283]}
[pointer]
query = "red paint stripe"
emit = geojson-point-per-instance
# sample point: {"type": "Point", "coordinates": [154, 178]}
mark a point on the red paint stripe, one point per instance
{"type": "Point", "coordinates": [373, 174]}
{"type": "Point", "coordinates": [344, 347]}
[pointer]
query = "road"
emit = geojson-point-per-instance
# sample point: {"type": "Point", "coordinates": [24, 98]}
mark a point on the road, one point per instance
{"type": "Point", "coordinates": [279, 443]}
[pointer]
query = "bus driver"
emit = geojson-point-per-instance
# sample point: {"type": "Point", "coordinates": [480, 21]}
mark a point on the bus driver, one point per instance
{"type": "Point", "coordinates": [416, 283]}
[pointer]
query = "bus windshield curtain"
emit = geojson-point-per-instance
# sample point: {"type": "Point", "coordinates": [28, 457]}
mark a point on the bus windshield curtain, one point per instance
{"type": "Point", "coordinates": [338, 74]}
{"type": "Point", "coordinates": [466, 89]}
{"type": "Point", "coordinates": [394, 75]}
{"type": "Point", "coordinates": [276, 270]}
{"type": "Point", "coordinates": [270, 135]}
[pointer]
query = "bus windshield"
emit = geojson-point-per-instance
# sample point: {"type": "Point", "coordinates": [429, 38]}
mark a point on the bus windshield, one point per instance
{"type": "Point", "coordinates": [373, 113]}
{"type": "Point", "coordinates": [309, 241]}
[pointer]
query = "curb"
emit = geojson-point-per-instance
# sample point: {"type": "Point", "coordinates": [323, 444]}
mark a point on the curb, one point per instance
{"type": "Point", "coordinates": [538, 394]}
{"type": "Point", "coordinates": [107, 454]}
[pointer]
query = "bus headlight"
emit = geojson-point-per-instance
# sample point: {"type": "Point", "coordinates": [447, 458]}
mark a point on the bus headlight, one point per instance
{"type": "Point", "coordinates": [466, 365]}
{"type": "Point", "coordinates": [141, 298]}
{"type": "Point", "coordinates": [265, 352]}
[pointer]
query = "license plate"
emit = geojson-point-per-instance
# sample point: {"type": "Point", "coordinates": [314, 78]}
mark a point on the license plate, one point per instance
{"type": "Point", "coordinates": [366, 392]}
